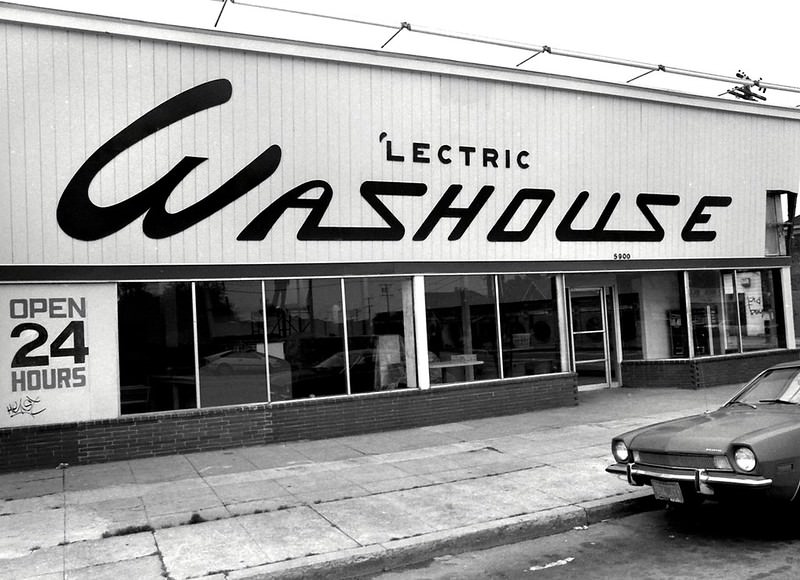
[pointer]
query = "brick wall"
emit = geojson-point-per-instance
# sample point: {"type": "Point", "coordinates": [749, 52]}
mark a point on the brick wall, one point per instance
{"type": "Point", "coordinates": [46, 447]}
{"type": "Point", "coordinates": [642, 374]}
{"type": "Point", "coordinates": [412, 408]}
{"type": "Point", "coordinates": [740, 368]}
{"type": "Point", "coordinates": [176, 432]}
{"type": "Point", "coordinates": [210, 429]}
{"type": "Point", "coordinates": [702, 372]}
{"type": "Point", "coordinates": [134, 436]}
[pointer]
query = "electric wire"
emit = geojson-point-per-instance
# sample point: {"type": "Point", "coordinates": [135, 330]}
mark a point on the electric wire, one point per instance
{"type": "Point", "coordinates": [536, 49]}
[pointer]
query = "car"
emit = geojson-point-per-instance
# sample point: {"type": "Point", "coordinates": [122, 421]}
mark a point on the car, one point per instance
{"type": "Point", "coordinates": [235, 361]}
{"type": "Point", "coordinates": [749, 447]}
{"type": "Point", "coordinates": [328, 377]}
{"type": "Point", "coordinates": [224, 371]}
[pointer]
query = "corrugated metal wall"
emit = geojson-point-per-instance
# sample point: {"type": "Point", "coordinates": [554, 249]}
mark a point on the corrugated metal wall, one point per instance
{"type": "Point", "coordinates": [66, 92]}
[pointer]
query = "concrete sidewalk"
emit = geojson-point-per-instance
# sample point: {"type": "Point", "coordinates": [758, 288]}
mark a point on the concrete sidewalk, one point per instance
{"type": "Point", "coordinates": [332, 508]}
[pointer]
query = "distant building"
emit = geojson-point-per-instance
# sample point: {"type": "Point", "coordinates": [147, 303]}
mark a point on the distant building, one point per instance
{"type": "Point", "coordinates": [795, 275]}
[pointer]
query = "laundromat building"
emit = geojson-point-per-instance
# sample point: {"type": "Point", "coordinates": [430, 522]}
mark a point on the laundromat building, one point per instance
{"type": "Point", "coordinates": [211, 240]}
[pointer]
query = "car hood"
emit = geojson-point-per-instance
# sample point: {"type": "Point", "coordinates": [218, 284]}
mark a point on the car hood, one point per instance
{"type": "Point", "coordinates": [713, 432]}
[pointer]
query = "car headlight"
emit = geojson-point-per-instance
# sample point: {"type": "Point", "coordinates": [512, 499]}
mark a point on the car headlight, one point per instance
{"type": "Point", "coordinates": [745, 459]}
{"type": "Point", "coordinates": [620, 451]}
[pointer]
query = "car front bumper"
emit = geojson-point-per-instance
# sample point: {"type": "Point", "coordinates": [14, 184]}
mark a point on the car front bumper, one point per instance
{"type": "Point", "coordinates": [700, 479]}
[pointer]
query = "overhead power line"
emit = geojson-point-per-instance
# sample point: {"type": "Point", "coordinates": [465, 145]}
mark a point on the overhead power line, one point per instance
{"type": "Point", "coordinates": [741, 84]}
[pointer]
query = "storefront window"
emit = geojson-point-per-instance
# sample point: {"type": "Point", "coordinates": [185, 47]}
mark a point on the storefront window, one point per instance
{"type": "Point", "coordinates": [731, 312]}
{"type": "Point", "coordinates": [156, 347]}
{"type": "Point", "coordinates": [662, 316]}
{"type": "Point", "coordinates": [529, 325]}
{"type": "Point", "coordinates": [612, 336]}
{"type": "Point", "coordinates": [732, 315]}
{"type": "Point", "coordinates": [630, 318]}
{"type": "Point", "coordinates": [304, 353]}
{"type": "Point", "coordinates": [462, 328]}
{"type": "Point", "coordinates": [759, 300]}
{"type": "Point", "coordinates": [380, 334]}
{"type": "Point", "coordinates": [306, 332]}
{"type": "Point", "coordinates": [707, 314]}
{"type": "Point", "coordinates": [230, 334]}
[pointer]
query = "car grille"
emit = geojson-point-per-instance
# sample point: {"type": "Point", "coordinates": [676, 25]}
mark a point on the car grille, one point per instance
{"type": "Point", "coordinates": [670, 460]}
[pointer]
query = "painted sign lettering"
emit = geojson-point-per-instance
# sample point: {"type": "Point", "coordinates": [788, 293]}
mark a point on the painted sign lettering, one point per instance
{"type": "Point", "coordinates": [33, 365]}
{"type": "Point", "coordinates": [58, 354]}
{"type": "Point", "coordinates": [464, 154]}
{"type": "Point", "coordinates": [83, 220]}
{"type": "Point", "coordinates": [80, 218]}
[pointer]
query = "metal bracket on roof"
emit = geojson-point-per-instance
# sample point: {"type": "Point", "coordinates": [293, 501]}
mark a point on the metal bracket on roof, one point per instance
{"type": "Point", "coordinates": [660, 67]}
{"type": "Point", "coordinates": [545, 48]}
{"type": "Point", "coordinates": [403, 25]}
{"type": "Point", "coordinates": [224, 3]}
{"type": "Point", "coordinates": [745, 90]}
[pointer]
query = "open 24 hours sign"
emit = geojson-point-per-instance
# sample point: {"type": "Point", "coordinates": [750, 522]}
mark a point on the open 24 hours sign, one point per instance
{"type": "Point", "coordinates": [58, 357]}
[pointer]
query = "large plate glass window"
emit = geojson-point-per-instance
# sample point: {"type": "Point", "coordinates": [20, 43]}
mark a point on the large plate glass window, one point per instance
{"type": "Point", "coordinates": [462, 328]}
{"type": "Point", "coordinates": [380, 337]}
{"type": "Point", "coordinates": [736, 311]}
{"type": "Point", "coordinates": [156, 347]}
{"type": "Point", "coordinates": [305, 327]}
{"type": "Point", "coordinates": [715, 323]}
{"type": "Point", "coordinates": [230, 344]}
{"type": "Point", "coordinates": [630, 315]}
{"type": "Point", "coordinates": [665, 324]}
{"type": "Point", "coordinates": [529, 324]}
{"type": "Point", "coordinates": [759, 301]}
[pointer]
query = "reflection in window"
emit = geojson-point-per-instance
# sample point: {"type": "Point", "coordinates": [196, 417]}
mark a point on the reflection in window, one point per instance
{"type": "Point", "coordinates": [731, 318]}
{"type": "Point", "coordinates": [529, 325]}
{"type": "Point", "coordinates": [230, 333]}
{"type": "Point", "coordinates": [652, 316]}
{"type": "Point", "coordinates": [630, 319]}
{"type": "Point", "coordinates": [663, 316]}
{"type": "Point", "coordinates": [705, 293]}
{"type": "Point", "coordinates": [156, 347]}
{"type": "Point", "coordinates": [462, 328]}
{"type": "Point", "coordinates": [306, 332]}
{"type": "Point", "coordinates": [758, 297]}
{"type": "Point", "coordinates": [380, 334]}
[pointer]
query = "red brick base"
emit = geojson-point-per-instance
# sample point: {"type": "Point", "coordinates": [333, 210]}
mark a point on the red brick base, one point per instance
{"type": "Point", "coordinates": [701, 372]}
{"type": "Point", "coordinates": [210, 429]}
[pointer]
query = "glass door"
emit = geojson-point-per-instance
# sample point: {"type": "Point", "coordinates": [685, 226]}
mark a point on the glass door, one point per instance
{"type": "Point", "coordinates": [589, 337]}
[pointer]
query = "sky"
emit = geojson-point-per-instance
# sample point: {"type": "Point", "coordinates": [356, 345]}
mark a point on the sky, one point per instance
{"type": "Point", "coordinates": [717, 37]}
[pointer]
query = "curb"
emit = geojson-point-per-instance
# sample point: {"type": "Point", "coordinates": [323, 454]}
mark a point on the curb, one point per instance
{"type": "Point", "coordinates": [378, 558]}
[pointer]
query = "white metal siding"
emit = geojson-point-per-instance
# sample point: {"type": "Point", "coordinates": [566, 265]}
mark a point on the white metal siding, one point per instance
{"type": "Point", "coordinates": [66, 92]}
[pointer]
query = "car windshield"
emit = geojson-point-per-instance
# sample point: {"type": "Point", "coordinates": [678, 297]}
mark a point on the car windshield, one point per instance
{"type": "Point", "coordinates": [775, 386]}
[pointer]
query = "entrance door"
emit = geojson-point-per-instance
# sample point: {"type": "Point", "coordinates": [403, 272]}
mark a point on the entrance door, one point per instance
{"type": "Point", "coordinates": [590, 337]}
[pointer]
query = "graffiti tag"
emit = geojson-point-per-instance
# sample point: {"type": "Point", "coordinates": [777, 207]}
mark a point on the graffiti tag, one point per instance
{"type": "Point", "coordinates": [26, 406]}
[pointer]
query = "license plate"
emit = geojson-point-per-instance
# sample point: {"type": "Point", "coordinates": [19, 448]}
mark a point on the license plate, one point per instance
{"type": "Point", "coordinates": [667, 490]}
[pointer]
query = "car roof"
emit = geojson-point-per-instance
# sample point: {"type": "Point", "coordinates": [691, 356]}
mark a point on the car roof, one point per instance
{"type": "Point", "coordinates": [786, 365]}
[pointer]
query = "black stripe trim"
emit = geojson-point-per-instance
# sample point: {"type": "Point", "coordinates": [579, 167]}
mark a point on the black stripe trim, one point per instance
{"type": "Point", "coordinates": [118, 273]}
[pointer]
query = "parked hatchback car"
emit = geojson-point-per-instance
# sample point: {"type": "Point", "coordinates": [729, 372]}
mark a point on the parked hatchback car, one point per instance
{"type": "Point", "coordinates": [750, 445]}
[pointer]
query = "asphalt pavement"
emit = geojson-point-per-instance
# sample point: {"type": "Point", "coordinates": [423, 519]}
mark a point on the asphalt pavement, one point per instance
{"type": "Point", "coordinates": [334, 508]}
